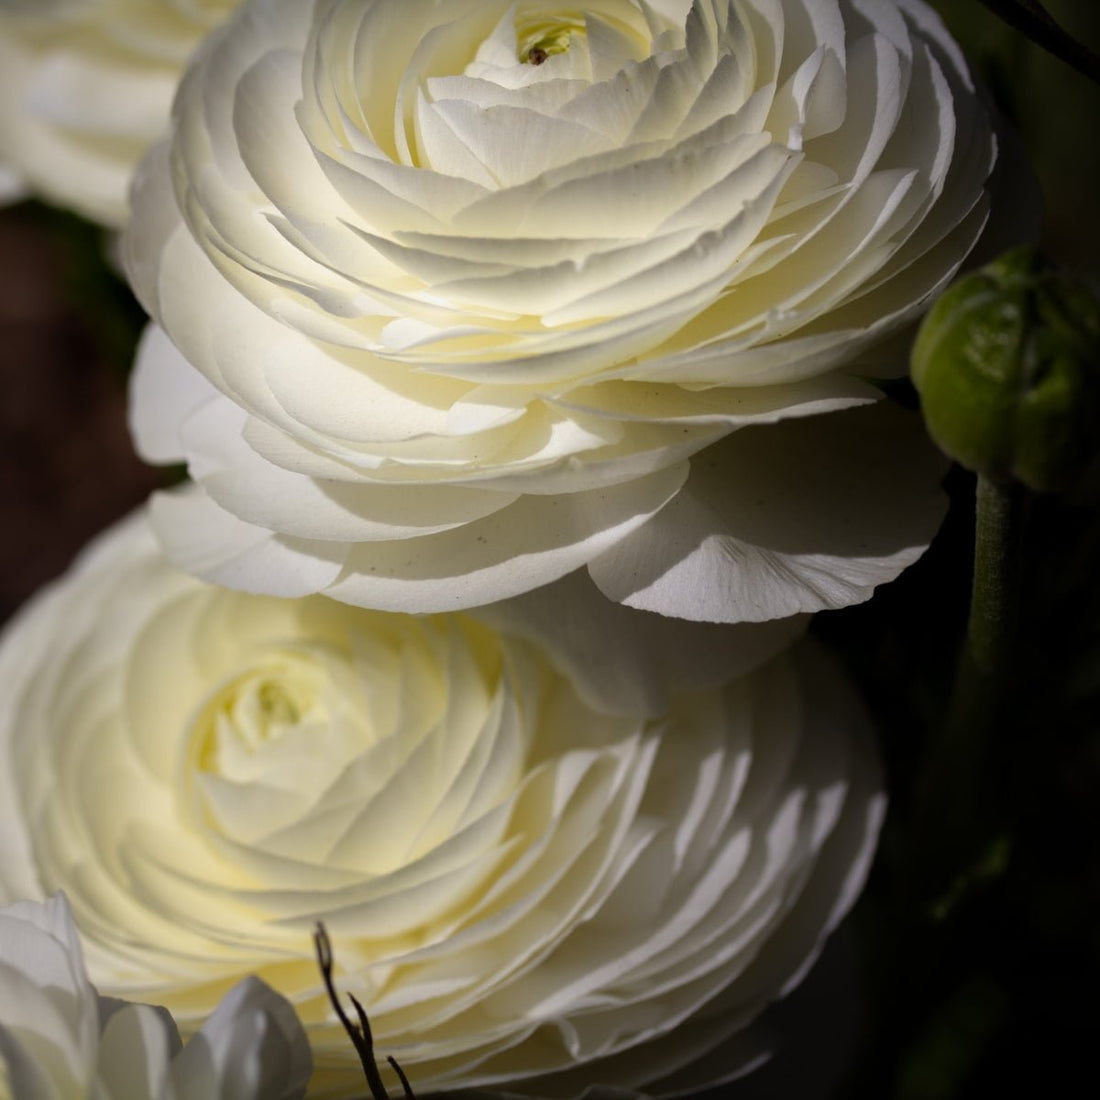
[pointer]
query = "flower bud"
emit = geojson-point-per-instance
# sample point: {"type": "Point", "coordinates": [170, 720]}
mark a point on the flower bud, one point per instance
{"type": "Point", "coordinates": [1007, 364]}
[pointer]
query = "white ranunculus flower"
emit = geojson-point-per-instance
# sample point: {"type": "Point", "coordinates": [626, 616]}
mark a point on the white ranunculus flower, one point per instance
{"type": "Point", "coordinates": [553, 841]}
{"type": "Point", "coordinates": [60, 1040]}
{"type": "Point", "coordinates": [85, 89]}
{"type": "Point", "coordinates": [482, 292]}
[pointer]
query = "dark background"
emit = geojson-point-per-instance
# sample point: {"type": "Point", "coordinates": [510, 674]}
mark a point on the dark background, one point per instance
{"type": "Point", "coordinates": [995, 991]}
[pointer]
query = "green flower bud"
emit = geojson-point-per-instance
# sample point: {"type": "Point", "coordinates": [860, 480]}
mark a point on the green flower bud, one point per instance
{"type": "Point", "coordinates": [1007, 364]}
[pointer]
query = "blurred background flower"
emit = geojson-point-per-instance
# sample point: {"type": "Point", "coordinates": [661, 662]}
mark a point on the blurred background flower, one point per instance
{"type": "Point", "coordinates": [85, 89]}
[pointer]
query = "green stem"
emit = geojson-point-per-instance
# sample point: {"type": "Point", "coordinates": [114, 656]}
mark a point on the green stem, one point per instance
{"type": "Point", "coordinates": [950, 839]}
{"type": "Point", "coordinates": [952, 820]}
{"type": "Point", "coordinates": [995, 593]}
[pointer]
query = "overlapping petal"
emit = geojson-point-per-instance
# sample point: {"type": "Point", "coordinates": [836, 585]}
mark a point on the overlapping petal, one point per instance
{"type": "Point", "coordinates": [545, 838]}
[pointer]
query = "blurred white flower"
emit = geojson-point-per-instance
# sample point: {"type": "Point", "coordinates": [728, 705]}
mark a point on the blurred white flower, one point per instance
{"type": "Point", "coordinates": [480, 293]}
{"type": "Point", "coordinates": [12, 187]}
{"type": "Point", "coordinates": [59, 1040]}
{"type": "Point", "coordinates": [85, 89]}
{"type": "Point", "coordinates": [555, 842]}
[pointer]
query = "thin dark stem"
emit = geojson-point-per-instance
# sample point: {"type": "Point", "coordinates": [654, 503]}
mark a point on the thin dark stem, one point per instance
{"type": "Point", "coordinates": [1032, 19]}
{"type": "Point", "coordinates": [359, 1034]}
{"type": "Point", "coordinates": [366, 1053]}
{"type": "Point", "coordinates": [401, 1077]}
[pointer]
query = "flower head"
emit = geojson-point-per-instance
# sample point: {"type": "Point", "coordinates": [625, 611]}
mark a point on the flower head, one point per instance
{"type": "Point", "coordinates": [555, 840]}
{"type": "Point", "coordinates": [482, 293]}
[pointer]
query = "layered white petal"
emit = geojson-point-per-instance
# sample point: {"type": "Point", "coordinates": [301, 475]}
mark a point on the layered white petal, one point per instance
{"type": "Point", "coordinates": [550, 839]}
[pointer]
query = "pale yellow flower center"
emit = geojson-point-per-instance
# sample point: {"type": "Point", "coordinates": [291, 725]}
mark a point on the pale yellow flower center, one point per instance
{"type": "Point", "coordinates": [538, 38]}
{"type": "Point", "coordinates": [259, 707]}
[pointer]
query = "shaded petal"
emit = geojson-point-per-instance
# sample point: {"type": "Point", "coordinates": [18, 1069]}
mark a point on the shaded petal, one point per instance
{"type": "Point", "coordinates": [251, 1048]}
{"type": "Point", "coordinates": [258, 492]}
{"type": "Point", "coordinates": [211, 543]}
{"type": "Point", "coordinates": [530, 543]}
{"type": "Point", "coordinates": [628, 662]}
{"type": "Point", "coordinates": [135, 1050]}
{"type": "Point", "coordinates": [164, 391]}
{"type": "Point", "coordinates": [799, 517]}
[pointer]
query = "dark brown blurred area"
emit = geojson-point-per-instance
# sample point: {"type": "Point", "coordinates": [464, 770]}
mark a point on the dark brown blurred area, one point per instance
{"type": "Point", "coordinates": [66, 465]}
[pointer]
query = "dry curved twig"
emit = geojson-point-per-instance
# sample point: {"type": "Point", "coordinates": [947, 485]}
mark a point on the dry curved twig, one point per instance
{"type": "Point", "coordinates": [360, 1034]}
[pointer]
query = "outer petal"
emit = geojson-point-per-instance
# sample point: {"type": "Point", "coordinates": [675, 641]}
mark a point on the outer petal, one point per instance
{"type": "Point", "coordinates": [164, 392]}
{"type": "Point", "coordinates": [251, 1048]}
{"type": "Point", "coordinates": [799, 517]}
{"type": "Point", "coordinates": [532, 542]}
{"type": "Point", "coordinates": [528, 544]}
{"type": "Point", "coordinates": [799, 1049]}
{"type": "Point", "coordinates": [217, 546]}
{"type": "Point", "coordinates": [24, 1076]}
{"type": "Point", "coordinates": [135, 1051]}
{"type": "Point", "coordinates": [49, 1023]}
{"type": "Point", "coordinates": [630, 662]}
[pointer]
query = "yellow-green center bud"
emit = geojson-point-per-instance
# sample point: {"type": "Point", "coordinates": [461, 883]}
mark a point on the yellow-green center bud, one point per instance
{"type": "Point", "coordinates": [541, 38]}
{"type": "Point", "coordinates": [1007, 364]}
